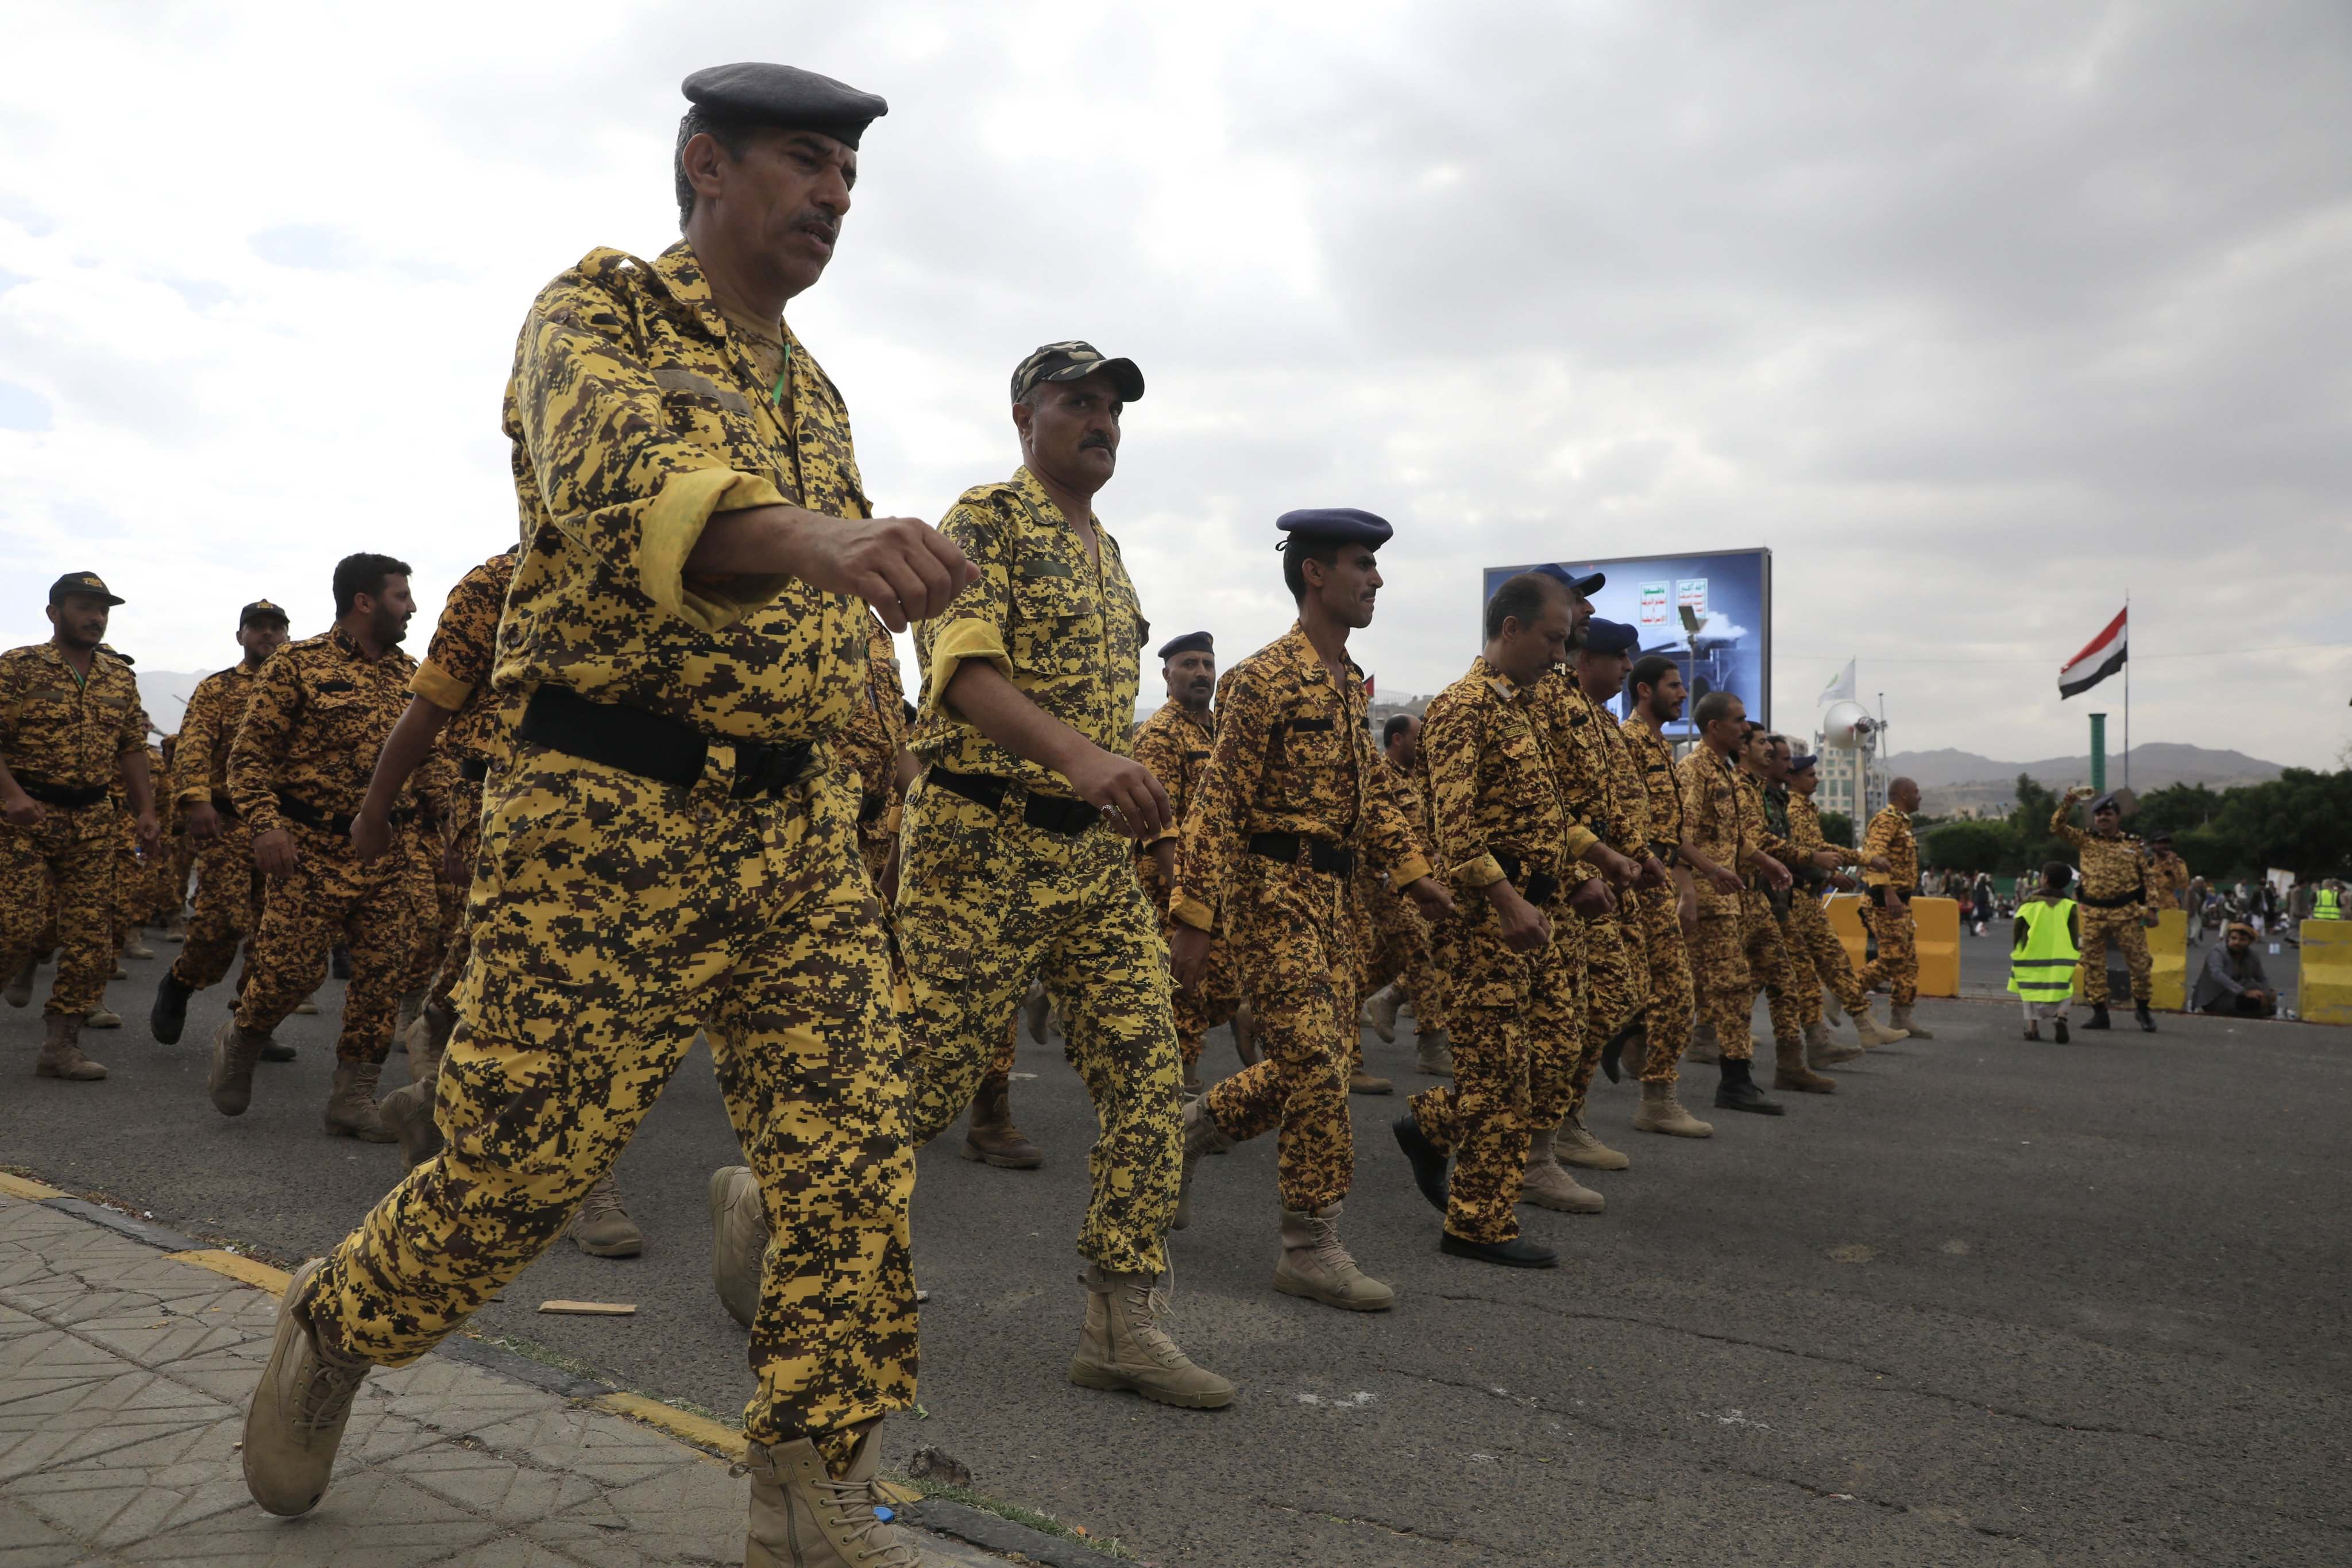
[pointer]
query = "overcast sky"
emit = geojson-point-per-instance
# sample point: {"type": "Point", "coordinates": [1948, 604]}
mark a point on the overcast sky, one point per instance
{"type": "Point", "coordinates": [1977, 315]}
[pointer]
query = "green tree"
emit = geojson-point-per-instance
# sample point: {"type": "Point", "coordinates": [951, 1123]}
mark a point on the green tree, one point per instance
{"type": "Point", "coordinates": [1837, 828]}
{"type": "Point", "coordinates": [2176, 808]}
{"type": "Point", "coordinates": [2032, 845]}
{"type": "Point", "coordinates": [1967, 846]}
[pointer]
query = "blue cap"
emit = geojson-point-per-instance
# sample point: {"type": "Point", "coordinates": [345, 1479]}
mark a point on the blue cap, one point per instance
{"type": "Point", "coordinates": [1802, 765]}
{"type": "Point", "coordinates": [1582, 587]}
{"type": "Point", "coordinates": [1611, 636]}
{"type": "Point", "coordinates": [1339, 525]}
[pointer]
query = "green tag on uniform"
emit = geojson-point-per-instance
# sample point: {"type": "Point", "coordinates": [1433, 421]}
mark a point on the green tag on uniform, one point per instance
{"type": "Point", "coordinates": [783, 377]}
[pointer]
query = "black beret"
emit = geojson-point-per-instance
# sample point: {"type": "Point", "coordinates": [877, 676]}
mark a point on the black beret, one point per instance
{"type": "Point", "coordinates": [1191, 642]}
{"type": "Point", "coordinates": [786, 96]}
{"type": "Point", "coordinates": [1339, 525]}
{"type": "Point", "coordinates": [1075, 361]}
{"type": "Point", "coordinates": [1611, 636]}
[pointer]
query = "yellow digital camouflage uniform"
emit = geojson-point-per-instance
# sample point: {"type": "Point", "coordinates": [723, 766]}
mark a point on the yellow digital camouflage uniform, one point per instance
{"type": "Point", "coordinates": [868, 746]}
{"type": "Point", "coordinates": [1174, 744]}
{"type": "Point", "coordinates": [455, 676]}
{"type": "Point", "coordinates": [134, 879]}
{"type": "Point", "coordinates": [614, 916]}
{"type": "Point", "coordinates": [1789, 997]}
{"type": "Point", "coordinates": [1613, 986]}
{"type": "Point", "coordinates": [1292, 756]}
{"type": "Point", "coordinates": [1501, 816]}
{"type": "Point", "coordinates": [1738, 943]}
{"type": "Point", "coordinates": [61, 733]}
{"type": "Point", "coordinates": [228, 885]}
{"type": "Point", "coordinates": [319, 713]}
{"type": "Point", "coordinates": [2115, 899]}
{"type": "Point", "coordinates": [1811, 938]}
{"type": "Point", "coordinates": [989, 902]}
{"type": "Point", "coordinates": [1667, 1016]}
{"type": "Point", "coordinates": [1897, 964]}
{"type": "Point", "coordinates": [2167, 878]}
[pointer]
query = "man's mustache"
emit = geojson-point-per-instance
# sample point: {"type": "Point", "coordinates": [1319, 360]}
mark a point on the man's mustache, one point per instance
{"type": "Point", "coordinates": [1094, 438]}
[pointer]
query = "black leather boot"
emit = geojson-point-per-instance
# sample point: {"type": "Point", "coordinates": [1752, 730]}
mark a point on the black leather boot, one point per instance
{"type": "Point", "coordinates": [2147, 1023]}
{"type": "Point", "coordinates": [1429, 1173]}
{"type": "Point", "coordinates": [2098, 1018]}
{"type": "Point", "coordinates": [1737, 1091]}
{"type": "Point", "coordinates": [170, 1013]}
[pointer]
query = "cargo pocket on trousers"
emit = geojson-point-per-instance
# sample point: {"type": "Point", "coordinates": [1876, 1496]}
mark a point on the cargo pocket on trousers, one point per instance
{"type": "Point", "coordinates": [506, 1097]}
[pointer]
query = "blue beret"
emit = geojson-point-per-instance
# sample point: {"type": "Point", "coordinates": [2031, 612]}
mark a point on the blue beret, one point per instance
{"type": "Point", "coordinates": [1611, 636]}
{"type": "Point", "coordinates": [2105, 803]}
{"type": "Point", "coordinates": [1339, 525]}
{"type": "Point", "coordinates": [1191, 642]}
{"type": "Point", "coordinates": [1582, 587]}
{"type": "Point", "coordinates": [1802, 765]}
{"type": "Point", "coordinates": [786, 96]}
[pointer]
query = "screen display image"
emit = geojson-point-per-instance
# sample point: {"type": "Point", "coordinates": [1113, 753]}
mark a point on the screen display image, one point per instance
{"type": "Point", "coordinates": [1710, 613]}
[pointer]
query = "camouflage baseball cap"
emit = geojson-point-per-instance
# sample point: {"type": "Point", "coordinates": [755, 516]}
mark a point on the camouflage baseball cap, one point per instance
{"type": "Point", "coordinates": [261, 610]}
{"type": "Point", "coordinates": [89, 582]}
{"type": "Point", "coordinates": [1074, 360]}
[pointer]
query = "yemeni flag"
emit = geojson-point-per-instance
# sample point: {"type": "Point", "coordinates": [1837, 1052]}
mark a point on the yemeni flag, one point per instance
{"type": "Point", "coordinates": [2103, 657]}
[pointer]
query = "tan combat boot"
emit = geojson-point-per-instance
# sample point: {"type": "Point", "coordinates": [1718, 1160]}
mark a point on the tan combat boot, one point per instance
{"type": "Point", "coordinates": [1831, 1010]}
{"type": "Point", "coordinates": [1123, 1346]}
{"type": "Point", "coordinates": [802, 1517]}
{"type": "Point", "coordinates": [134, 945]}
{"type": "Point", "coordinates": [230, 1082]}
{"type": "Point", "coordinates": [308, 1006]}
{"type": "Point", "coordinates": [1432, 1056]}
{"type": "Point", "coordinates": [1362, 1082]}
{"type": "Point", "coordinates": [1824, 1049]}
{"type": "Point", "coordinates": [412, 1007]}
{"type": "Point", "coordinates": [601, 1228]}
{"type": "Point", "coordinates": [991, 1138]}
{"type": "Point", "coordinates": [1576, 1145]}
{"type": "Point", "coordinates": [1314, 1265]}
{"type": "Point", "coordinates": [18, 991]}
{"type": "Point", "coordinates": [1661, 1112]}
{"type": "Point", "coordinates": [1201, 1136]}
{"type": "Point", "coordinates": [1245, 1035]}
{"type": "Point", "coordinates": [1379, 1012]}
{"type": "Point", "coordinates": [101, 1016]}
{"type": "Point", "coordinates": [351, 1105]}
{"type": "Point", "coordinates": [1037, 1012]}
{"type": "Point", "coordinates": [408, 1112]}
{"type": "Point", "coordinates": [1635, 1056]}
{"type": "Point", "coordinates": [296, 1420]}
{"type": "Point", "coordinates": [1703, 1047]}
{"type": "Point", "coordinates": [1790, 1071]}
{"type": "Point", "coordinates": [61, 1052]}
{"type": "Point", "coordinates": [1910, 1026]}
{"type": "Point", "coordinates": [1873, 1032]}
{"type": "Point", "coordinates": [738, 1241]}
{"type": "Point", "coordinates": [1548, 1183]}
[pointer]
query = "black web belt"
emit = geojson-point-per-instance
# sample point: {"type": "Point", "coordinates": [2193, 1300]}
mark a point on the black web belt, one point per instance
{"type": "Point", "coordinates": [2122, 901]}
{"type": "Point", "coordinates": [474, 770]}
{"type": "Point", "coordinates": [1333, 859]}
{"type": "Point", "coordinates": [333, 822]}
{"type": "Point", "coordinates": [1537, 888]}
{"type": "Point", "coordinates": [1046, 813]}
{"type": "Point", "coordinates": [653, 747]}
{"type": "Point", "coordinates": [63, 797]}
{"type": "Point", "coordinates": [225, 806]}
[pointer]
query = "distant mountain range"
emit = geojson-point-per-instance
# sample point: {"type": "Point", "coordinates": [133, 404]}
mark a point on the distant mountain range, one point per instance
{"type": "Point", "coordinates": [1950, 780]}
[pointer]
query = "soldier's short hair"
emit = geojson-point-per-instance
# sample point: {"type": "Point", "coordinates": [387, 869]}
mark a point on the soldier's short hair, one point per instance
{"type": "Point", "coordinates": [1397, 725]}
{"type": "Point", "coordinates": [363, 573]}
{"type": "Point", "coordinates": [1715, 705]}
{"type": "Point", "coordinates": [732, 136]}
{"type": "Point", "coordinates": [1521, 598]}
{"type": "Point", "coordinates": [1651, 669]}
{"type": "Point", "coordinates": [1296, 550]}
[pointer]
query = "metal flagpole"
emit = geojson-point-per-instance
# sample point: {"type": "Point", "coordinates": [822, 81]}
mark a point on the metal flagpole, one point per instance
{"type": "Point", "coordinates": [2126, 689]}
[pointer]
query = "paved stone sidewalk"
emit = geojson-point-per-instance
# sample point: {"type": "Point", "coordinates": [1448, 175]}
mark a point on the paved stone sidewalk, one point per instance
{"type": "Point", "coordinates": [123, 1376]}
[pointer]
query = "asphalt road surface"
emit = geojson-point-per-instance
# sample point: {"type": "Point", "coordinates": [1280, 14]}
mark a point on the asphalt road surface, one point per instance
{"type": "Point", "coordinates": [1992, 1302]}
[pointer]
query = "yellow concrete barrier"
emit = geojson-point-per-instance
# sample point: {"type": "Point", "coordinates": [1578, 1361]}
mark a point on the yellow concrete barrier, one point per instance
{"type": "Point", "coordinates": [1938, 924]}
{"type": "Point", "coordinates": [1846, 919]}
{"type": "Point", "coordinates": [2325, 992]}
{"type": "Point", "coordinates": [2168, 953]}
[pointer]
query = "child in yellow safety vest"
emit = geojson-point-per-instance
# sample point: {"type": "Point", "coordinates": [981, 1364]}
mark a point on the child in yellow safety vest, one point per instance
{"type": "Point", "coordinates": [2045, 944]}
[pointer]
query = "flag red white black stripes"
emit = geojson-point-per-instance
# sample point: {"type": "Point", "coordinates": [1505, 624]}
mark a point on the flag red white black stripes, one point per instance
{"type": "Point", "coordinates": [2103, 657]}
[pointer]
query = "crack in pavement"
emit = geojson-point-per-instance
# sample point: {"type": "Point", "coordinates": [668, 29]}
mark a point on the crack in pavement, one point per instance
{"type": "Point", "coordinates": [1408, 1534]}
{"type": "Point", "coordinates": [1907, 1384]}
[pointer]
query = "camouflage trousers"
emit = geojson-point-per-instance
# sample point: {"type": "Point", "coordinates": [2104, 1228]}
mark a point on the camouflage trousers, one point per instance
{"type": "Point", "coordinates": [2099, 928]}
{"type": "Point", "coordinates": [181, 868]}
{"type": "Point", "coordinates": [1514, 1019]}
{"type": "Point", "coordinates": [465, 804]}
{"type": "Point", "coordinates": [1814, 949]}
{"type": "Point", "coordinates": [56, 884]}
{"type": "Point", "coordinates": [1733, 953]}
{"type": "Point", "coordinates": [1897, 964]}
{"type": "Point", "coordinates": [1395, 944]}
{"type": "Point", "coordinates": [1611, 984]}
{"type": "Point", "coordinates": [986, 905]}
{"type": "Point", "coordinates": [612, 917]}
{"type": "Point", "coordinates": [227, 910]}
{"type": "Point", "coordinates": [1214, 1001]}
{"type": "Point", "coordinates": [1666, 1015]}
{"type": "Point", "coordinates": [134, 879]}
{"type": "Point", "coordinates": [332, 897]}
{"type": "Point", "coordinates": [1294, 941]}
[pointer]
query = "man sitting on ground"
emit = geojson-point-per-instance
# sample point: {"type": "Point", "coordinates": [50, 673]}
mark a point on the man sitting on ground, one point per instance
{"type": "Point", "coordinates": [2232, 981]}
